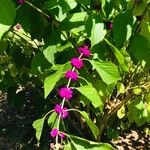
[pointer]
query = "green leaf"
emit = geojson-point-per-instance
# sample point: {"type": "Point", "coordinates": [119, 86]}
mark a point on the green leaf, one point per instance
{"type": "Point", "coordinates": [92, 126]}
{"type": "Point", "coordinates": [121, 112]}
{"type": "Point", "coordinates": [7, 15]}
{"type": "Point", "coordinates": [91, 94]}
{"type": "Point", "coordinates": [97, 32]}
{"type": "Point", "coordinates": [137, 112]}
{"type": "Point", "coordinates": [120, 87]}
{"type": "Point", "coordinates": [49, 53]}
{"type": "Point", "coordinates": [85, 2]}
{"type": "Point", "coordinates": [39, 63]}
{"type": "Point", "coordinates": [52, 120]}
{"type": "Point", "coordinates": [140, 49]}
{"type": "Point", "coordinates": [51, 80]}
{"type": "Point", "coordinates": [82, 144]}
{"type": "Point", "coordinates": [38, 126]}
{"type": "Point", "coordinates": [122, 27]}
{"type": "Point", "coordinates": [119, 56]}
{"type": "Point", "coordinates": [107, 70]}
{"type": "Point", "coordinates": [76, 17]}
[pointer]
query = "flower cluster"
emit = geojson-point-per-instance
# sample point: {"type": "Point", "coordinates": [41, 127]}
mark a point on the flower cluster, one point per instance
{"type": "Point", "coordinates": [55, 133]}
{"type": "Point", "coordinates": [66, 93]}
{"type": "Point", "coordinates": [61, 110]}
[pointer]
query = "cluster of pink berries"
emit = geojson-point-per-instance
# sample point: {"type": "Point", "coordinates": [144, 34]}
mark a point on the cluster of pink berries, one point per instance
{"type": "Point", "coordinates": [66, 92]}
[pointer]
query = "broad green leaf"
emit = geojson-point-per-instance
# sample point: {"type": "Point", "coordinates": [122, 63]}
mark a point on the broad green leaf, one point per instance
{"type": "Point", "coordinates": [91, 125]}
{"type": "Point", "coordinates": [137, 112]}
{"type": "Point", "coordinates": [119, 56]}
{"type": "Point", "coordinates": [76, 17]}
{"type": "Point", "coordinates": [107, 70]}
{"type": "Point", "coordinates": [82, 144]}
{"type": "Point", "coordinates": [38, 126]}
{"type": "Point", "coordinates": [91, 94]}
{"type": "Point", "coordinates": [97, 33]}
{"type": "Point", "coordinates": [52, 120]}
{"type": "Point", "coordinates": [140, 49]}
{"type": "Point", "coordinates": [51, 80]}
{"type": "Point", "coordinates": [103, 89]}
{"type": "Point", "coordinates": [121, 112]}
{"type": "Point", "coordinates": [49, 53]}
{"type": "Point", "coordinates": [122, 27]}
{"type": "Point", "coordinates": [7, 15]}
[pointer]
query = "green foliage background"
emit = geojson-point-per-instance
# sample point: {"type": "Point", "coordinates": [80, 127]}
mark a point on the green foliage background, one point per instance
{"type": "Point", "coordinates": [116, 77]}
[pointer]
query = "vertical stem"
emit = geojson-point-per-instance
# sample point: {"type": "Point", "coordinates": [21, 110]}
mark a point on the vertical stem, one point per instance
{"type": "Point", "coordinates": [62, 105]}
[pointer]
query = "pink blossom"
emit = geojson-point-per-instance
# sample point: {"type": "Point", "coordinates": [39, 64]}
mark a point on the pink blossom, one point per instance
{"type": "Point", "coordinates": [84, 50]}
{"type": "Point", "coordinates": [65, 93]}
{"type": "Point", "coordinates": [62, 135]}
{"type": "Point", "coordinates": [71, 75]}
{"type": "Point", "coordinates": [20, 1]}
{"type": "Point", "coordinates": [54, 132]}
{"type": "Point", "coordinates": [77, 63]}
{"type": "Point", "coordinates": [62, 111]}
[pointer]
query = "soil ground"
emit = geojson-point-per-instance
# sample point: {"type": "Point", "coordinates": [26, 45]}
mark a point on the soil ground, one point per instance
{"type": "Point", "coordinates": [16, 131]}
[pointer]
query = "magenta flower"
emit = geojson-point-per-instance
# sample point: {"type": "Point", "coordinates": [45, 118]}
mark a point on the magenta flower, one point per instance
{"type": "Point", "coordinates": [58, 109]}
{"type": "Point", "coordinates": [62, 111]}
{"type": "Point", "coordinates": [71, 74]}
{"type": "Point", "coordinates": [77, 63]}
{"type": "Point", "coordinates": [62, 135]}
{"type": "Point", "coordinates": [20, 1]}
{"type": "Point", "coordinates": [54, 132]}
{"type": "Point", "coordinates": [65, 93]}
{"type": "Point", "coordinates": [84, 50]}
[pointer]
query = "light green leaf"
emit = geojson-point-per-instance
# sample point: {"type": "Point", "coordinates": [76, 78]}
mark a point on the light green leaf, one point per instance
{"type": "Point", "coordinates": [120, 87]}
{"type": "Point", "coordinates": [97, 33]}
{"type": "Point", "coordinates": [137, 112]}
{"type": "Point", "coordinates": [7, 15]}
{"type": "Point", "coordinates": [91, 125]}
{"type": "Point", "coordinates": [82, 144]}
{"type": "Point", "coordinates": [49, 53]}
{"type": "Point", "coordinates": [38, 126]}
{"type": "Point", "coordinates": [121, 112]}
{"type": "Point", "coordinates": [91, 94]}
{"type": "Point", "coordinates": [119, 56]}
{"type": "Point", "coordinates": [107, 70]}
{"type": "Point", "coordinates": [51, 80]}
{"type": "Point", "coordinates": [76, 17]}
{"type": "Point", "coordinates": [52, 120]}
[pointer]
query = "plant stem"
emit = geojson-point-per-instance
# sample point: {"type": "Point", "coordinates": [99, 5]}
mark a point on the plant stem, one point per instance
{"type": "Point", "coordinates": [62, 105]}
{"type": "Point", "coordinates": [39, 10]}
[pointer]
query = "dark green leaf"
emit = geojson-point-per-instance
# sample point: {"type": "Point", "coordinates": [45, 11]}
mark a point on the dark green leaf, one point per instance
{"type": "Point", "coordinates": [122, 27]}
{"type": "Point", "coordinates": [91, 125]}
{"type": "Point", "coordinates": [119, 56]}
{"type": "Point", "coordinates": [141, 49]}
{"type": "Point", "coordinates": [7, 15]}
